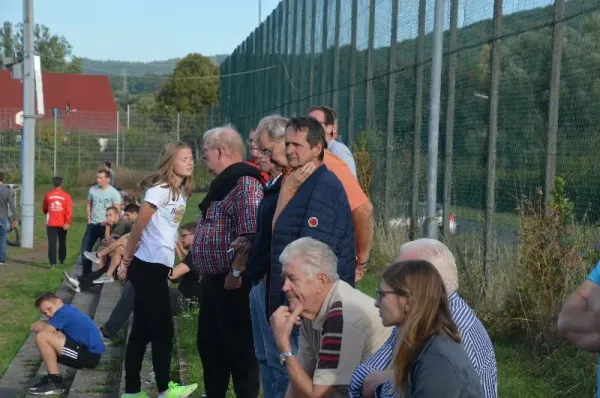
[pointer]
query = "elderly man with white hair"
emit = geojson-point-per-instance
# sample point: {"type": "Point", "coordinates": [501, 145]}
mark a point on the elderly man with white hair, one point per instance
{"type": "Point", "coordinates": [340, 326]}
{"type": "Point", "coordinates": [227, 222]}
{"type": "Point", "coordinates": [476, 342]}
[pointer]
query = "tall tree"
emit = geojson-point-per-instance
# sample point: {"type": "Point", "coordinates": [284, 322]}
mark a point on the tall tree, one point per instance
{"type": "Point", "coordinates": [194, 85]}
{"type": "Point", "coordinates": [7, 40]}
{"type": "Point", "coordinates": [54, 50]}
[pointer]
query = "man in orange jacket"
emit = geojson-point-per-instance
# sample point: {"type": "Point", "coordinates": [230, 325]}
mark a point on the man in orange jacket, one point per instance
{"type": "Point", "coordinates": [58, 208]}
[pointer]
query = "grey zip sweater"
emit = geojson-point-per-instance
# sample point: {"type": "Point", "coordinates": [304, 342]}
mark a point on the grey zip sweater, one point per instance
{"type": "Point", "coordinates": [6, 200]}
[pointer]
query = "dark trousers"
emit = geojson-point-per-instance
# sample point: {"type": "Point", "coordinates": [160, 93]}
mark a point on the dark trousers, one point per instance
{"type": "Point", "coordinates": [121, 312]}
{"type": "Point", "coordinates": [93, 232]}
{"type": "Point", "coordinates": [152, 322]}
{"type": "Point", "coordinates": [57, 234]}
{"type": "Point", "coordinates": [225, 341]}
{"type": "Point", "coordinates": [87, 280]}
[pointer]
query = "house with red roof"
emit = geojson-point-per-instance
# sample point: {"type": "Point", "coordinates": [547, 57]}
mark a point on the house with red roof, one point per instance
{"type": "Point", "coordinates": [85, 103]}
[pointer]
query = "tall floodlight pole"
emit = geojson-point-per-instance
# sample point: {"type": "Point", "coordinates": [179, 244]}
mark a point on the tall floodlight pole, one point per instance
{"type": "Point", "coordinates": [28, 148]}
{"type": "Point", "coordinates": [434, 119]}
{"type": "Point", "coordinates": [259, 12]}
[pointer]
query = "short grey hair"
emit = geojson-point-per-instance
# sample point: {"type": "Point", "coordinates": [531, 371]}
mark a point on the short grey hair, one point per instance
{"type": "Point", "coordinates": [226, 136]}
{"type": "Point", "coordinates": [273, 125]}
{"type": "Point", "coordinates": [438, 254]}
{"type": "Point", "coordinates": [316, 257]}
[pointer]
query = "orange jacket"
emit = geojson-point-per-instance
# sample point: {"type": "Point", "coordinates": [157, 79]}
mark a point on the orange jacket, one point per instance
{"type": "Point", "coordinates": [58, 208]}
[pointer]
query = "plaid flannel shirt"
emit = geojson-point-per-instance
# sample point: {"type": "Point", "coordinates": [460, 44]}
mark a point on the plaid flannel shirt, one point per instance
{"type": "Point", "coordinates": [225, 221]}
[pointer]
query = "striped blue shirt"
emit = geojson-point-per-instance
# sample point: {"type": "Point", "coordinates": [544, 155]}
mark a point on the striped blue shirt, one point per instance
{"type": "Point", "coordinates": [476, 342]}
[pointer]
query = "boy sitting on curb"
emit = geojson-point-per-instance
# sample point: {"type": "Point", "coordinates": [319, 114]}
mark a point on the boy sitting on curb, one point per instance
{"type": "Point", "coordinates": [69, 337]}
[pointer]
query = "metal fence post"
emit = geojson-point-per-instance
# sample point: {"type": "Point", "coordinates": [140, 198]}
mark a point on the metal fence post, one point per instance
{"type": "Point", "coordinates": [492, 140]}
{"type": "Point", "coordinates": [313, 32]}
{"type": "Point", "coordinates": [118, 123]}
{"type": "Point", "coordinates": [301, 62]}
{"type": "Point", "coordinates": [369, 100]}
{"type": "Point", "coordinates": [557, 39]}
{"type": "Point", "coordinates": [352, 88]}
{"type": "Point", "coordinates": [282, 21]}
{"type": "Point", "coordinates": [177, 126]}
{"type": "Point", "coordinates": [450, 115]}
{"type": "Point", "coordinates": [55, 128]}
{"type": "Point", "coordinates": [336, 59]}
{"type": "Point", "coordinates": [323, 84]}
{"type": "Point", "coordinates": [389, 148]}
{"type": "Point", "coordinates": [414, 219]}
{"type": "Point", "coordinates": [434, 118]}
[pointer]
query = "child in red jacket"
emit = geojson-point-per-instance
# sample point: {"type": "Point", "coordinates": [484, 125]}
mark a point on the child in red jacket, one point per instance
{"type": "Point", "coordinates": [58, 208]}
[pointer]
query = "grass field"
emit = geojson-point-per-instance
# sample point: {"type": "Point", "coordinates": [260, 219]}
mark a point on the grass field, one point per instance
{"type": "Point", "coordinates": [566, 372]}
{"type": "Point", "coordinates": [27, 275]}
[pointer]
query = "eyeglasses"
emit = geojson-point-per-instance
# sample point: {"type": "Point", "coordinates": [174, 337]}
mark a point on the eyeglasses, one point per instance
{"type": "Point", "coordinates": [267, 152]}
{"type": "Point", "coordinates": [380, 294]}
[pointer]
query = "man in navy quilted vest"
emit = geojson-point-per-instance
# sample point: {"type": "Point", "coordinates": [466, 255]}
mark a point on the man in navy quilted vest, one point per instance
{"type": "Point", "coordinates": [319, 209]}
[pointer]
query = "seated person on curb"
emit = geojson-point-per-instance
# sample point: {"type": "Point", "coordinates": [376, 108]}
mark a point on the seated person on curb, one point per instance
{"type": "Point", "coordinates": [188, 288]}
{"type": "Point", "coordinates": [69, 337]}
{"type": "Point", "coordinates": [115, 227]}
{"type": "Point", "coordinates": [475, 339]}
{"type": "Point", "coordinates": [114, 250]}
{"type": "Point", "coordinates": [340, 326]}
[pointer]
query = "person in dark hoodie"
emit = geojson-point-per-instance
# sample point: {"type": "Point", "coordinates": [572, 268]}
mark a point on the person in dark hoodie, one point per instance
{"type": "Point", "coordinates": [227, 222]}
{"type": "Point", "coordinates": [273, 376]}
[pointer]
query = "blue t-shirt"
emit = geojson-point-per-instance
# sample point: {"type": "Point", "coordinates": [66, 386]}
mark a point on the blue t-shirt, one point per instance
{"type": "Point", "coordinates": [594, 275]}
{"type": "Point", "coordinates": [78, 327]}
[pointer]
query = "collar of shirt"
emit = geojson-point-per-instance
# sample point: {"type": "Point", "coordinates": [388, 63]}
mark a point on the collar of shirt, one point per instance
{"type": "Point", "coordinates": [322, 315]}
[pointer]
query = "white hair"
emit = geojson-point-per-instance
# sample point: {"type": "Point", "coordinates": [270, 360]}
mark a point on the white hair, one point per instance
{"type": "Point", "coordinates": [226, 136]}
{"type": "Point", "coordinates": [316, 258]}
{"type": "Point", "coordinates": [438, 254]}
{"type": "Point", "coordinates": [273, 125]}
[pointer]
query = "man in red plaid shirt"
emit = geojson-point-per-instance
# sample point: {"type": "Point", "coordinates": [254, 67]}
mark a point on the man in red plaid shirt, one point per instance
{"type": "Point", "coordinates": [225, 226]}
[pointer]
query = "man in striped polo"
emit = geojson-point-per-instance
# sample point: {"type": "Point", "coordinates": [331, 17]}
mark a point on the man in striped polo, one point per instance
{"type": "Point", "coordinates": [476, 342]}
{"type": "Point", "coordinates": [340, 325]}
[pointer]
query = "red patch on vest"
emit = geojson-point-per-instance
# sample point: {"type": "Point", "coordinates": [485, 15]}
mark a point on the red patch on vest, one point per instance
{"type": "Point", "coordinates": [313, 222]}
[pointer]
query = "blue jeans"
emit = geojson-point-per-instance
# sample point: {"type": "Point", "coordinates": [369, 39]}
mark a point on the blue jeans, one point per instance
{"type": "Point", "coordinates": [93, 232]}
{"type": "Point", "coordinates": [273, 376]}
{"type": "Point", "coordinates": [3, 233]}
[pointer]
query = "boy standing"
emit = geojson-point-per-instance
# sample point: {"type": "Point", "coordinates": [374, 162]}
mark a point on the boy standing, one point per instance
{"type": "Point", "coordinates": [58, 208]}
{"type": "Point", "coordinates": [69, 337]}
{"type": "Point", "coordinates": [100, 197]}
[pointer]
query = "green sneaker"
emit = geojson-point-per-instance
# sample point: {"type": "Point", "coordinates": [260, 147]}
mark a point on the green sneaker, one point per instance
{"type": "Point", "coordinates": [177, 391]}
{"type": "Point", "coordinates": [141, 394]}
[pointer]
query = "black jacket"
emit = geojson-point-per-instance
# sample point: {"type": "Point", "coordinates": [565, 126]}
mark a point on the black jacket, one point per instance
{"type": "Point", "coordinates": [259, 258]}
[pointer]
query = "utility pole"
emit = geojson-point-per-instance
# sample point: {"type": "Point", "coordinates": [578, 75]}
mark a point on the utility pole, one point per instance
{"type": "Point", "coordinates": [125, 88]}
{"type": "Point", "coordinates": [434, 119]}
{"type": "Point", "coordinates": [28, 147]}
{"type": "Point", "coordinates": [259, 12]}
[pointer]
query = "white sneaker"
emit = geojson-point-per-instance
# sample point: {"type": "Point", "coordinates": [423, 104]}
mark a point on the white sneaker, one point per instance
{"type": "Point", "coordinates": [74, 281]}
{"type": "Point", "coordinates": [104, 279]}
{"type": "Point", "coordinates": [72, 286]}
{"type": "Point", "coordinates": [92, 256]}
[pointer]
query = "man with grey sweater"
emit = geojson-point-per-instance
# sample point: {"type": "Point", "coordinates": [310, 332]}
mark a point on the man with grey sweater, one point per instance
{"type": "Point", "coordinates": [6, 201]}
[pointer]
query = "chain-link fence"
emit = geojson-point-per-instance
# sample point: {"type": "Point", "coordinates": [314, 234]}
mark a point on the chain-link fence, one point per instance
{"type": "Point", "coordinates": [371, 60]}
{"type": "Point", "coordinates": [76, 143]}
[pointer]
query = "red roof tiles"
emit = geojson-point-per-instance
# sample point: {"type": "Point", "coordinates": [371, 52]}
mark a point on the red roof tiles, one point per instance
{"type": "Point", "coordinates": [90, 95]}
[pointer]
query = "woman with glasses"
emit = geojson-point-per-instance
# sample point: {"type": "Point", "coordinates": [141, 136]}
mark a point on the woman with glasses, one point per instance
{"type": "Point", "coordinates": [429, 360]}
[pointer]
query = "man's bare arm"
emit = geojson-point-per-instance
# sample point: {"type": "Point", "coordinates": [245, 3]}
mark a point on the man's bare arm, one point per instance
{"type": "Point", "coordinates": [39, 326]}
{"type": "Point", "coordinates": [578, 322]}
{"type": "Point", "coordinates": [88, 211]}
{"type": "Point", "coordinates": [362, 218]}
{"type": "Point", "coordinates": [301, 385]}
{"type": "Point", "coordinates": [576, 315]}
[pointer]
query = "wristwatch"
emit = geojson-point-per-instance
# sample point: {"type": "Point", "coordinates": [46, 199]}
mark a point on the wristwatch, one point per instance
{"type": "Point", "coordinates": [284, 357]}
{"type": "Point", "coordinates": [236, 272]}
